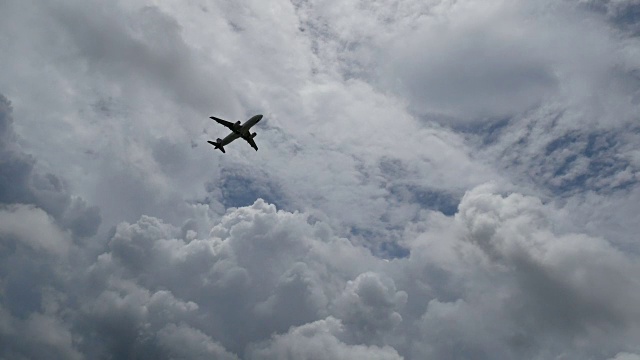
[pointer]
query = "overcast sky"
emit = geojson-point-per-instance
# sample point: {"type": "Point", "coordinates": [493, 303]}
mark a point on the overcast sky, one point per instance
{"type": "Point", "coordinates": [436, 179]}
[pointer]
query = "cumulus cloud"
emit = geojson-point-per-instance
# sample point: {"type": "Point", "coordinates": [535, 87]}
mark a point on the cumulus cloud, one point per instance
{"type": "Point", "coordinates": [33, 227]}
{"type": "Point", "coordinates": [554, 269]}
{"type": "Point", "coordinates": [123, 235]}
{"type": "Point", "coordinates": [24, 183]}
{"type": "Point", "coordinates": [38, 336]}
{"type": "Point", "coordinates": [367, 306]}
{"type": "Point", "coordinates": [187, 343]}
{"type": "Point", "coordinates": [626, 356]}
{"type": "Point", "coordinates": [318, 340]}
{"type": "Point", "coordinates": [493, 279]}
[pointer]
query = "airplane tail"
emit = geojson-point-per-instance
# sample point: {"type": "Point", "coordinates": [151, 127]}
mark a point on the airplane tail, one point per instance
{"type": "Point", "coordinates": [217, 145]}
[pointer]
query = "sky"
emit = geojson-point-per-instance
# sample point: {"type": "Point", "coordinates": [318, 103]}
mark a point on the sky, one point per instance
{"type": "Point", "coordinates": [436, 179]}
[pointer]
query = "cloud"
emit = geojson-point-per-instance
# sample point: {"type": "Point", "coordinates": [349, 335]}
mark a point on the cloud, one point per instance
{"type": "Point", "coordinates": [455, 65]}
{"type": "Point", "coordinates": [551, 270]}
{"type": "Point", "coordinates": [514, 230]}
{"type": "Point", "coordinates": [626, 356]}
{"type": "Point", "coordinates": [266, 283]}
{"type": "Point", "coordinates": [241, 186]}
{"type": "Point", "coordinates": [621, 13]}
{"type": "Point", "coordinates": [24, 183]}
{"type": "Point", "coordinates": [125, 235]}
{"type": "Point", "coordinates": [188, 343]}
{"type": "Point", "coordinates": [367, 307]}
{"type": "Point", "coordinates": [260, 272]}
{"type": "Point", "coordinates": [16, 166]}
{"type": "Point", "coordinates": [131, 156]}
{"type": "Point", "coordinates": [38, 336]}
{"type": "Point", "coordinates": [561, 157]}
{"type": "Point", "coordinates": [33, 227]}
{"type": "Point", "coordinates": [145, 46]}
{"type": "Point", "coordinates": [318, 340]}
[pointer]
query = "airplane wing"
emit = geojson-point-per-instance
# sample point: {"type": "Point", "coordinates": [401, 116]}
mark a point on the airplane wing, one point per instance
{"type": "Point", "coordinates": [252, 143]}
{"type": "Point", "coordinates": [223, 122]}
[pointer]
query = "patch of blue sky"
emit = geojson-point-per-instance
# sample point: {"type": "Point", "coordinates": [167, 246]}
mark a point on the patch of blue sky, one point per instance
{"type": "Point", "coordinates": [599, 150]}
{"type": "Point", "coordinates": [427, 198]}
{"type": "Point", "coordinates": [239, 189]}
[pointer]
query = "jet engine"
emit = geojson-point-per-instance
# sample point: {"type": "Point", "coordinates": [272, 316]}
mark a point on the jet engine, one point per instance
{"type": "Point", "coordinates": [254, 135]}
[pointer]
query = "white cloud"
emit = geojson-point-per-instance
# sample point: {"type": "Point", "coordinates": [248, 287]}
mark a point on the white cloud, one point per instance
{"type": "Point", "coordinates": [132, 117]}
{"type": "Point", "coordinates": [382, 118]}
{"type": "Point", "coordinates": [471, 60]}
{"type": "Point", "coordinates": [456, 65]}
{"type": "Point", "coordinates": [494, 279]}
{"type": "Point", "coordinates": [497, 265]}
{"type": "Point", "coordinates": [368, 307]}
{"type": "Point", "coordinates": [261, 271]}
{"type": "Point", "coordinates": [35, 228]}
{"type": "Point", "coordinates": [187, 343]}
{"type": "Point", "coordinates": [626, 356]}
{"type": "Point", "coordinates": [318, 340]}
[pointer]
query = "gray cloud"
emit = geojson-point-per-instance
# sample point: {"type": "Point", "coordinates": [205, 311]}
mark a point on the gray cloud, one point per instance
{"type": "Point", "coordinates": [319, 340]}
{"type": "Point", "coordinates": [16, 166]}
{"type": "Point", "coordinates": [306, 274]}
{"type": "Point", "coordinates": [382, 120]}
{"type": "Point", "coordinates": [144, 46]}
{"type": "Point", "coordinates": [462, 70]}
{"type": "Point", "coordinates": [622, 13]}
{"type": "Point", "coordinates": [626, 356]}
{"type": "Point", "coordinates": [23, 183]}
{"type": "Point", "coordinates": [265, 280]}
{"type": "Point", "coordinates": [554, 274]}
{"type": "Point", "coordinates": [368, 307]}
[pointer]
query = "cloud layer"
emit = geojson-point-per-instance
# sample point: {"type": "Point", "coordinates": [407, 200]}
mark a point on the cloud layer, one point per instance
{"type": "Point", "coordinates": [436, 179]}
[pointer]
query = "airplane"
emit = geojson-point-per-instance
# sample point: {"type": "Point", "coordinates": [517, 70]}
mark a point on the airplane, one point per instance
{"type": "Point", "coordinates": [237, 131]}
